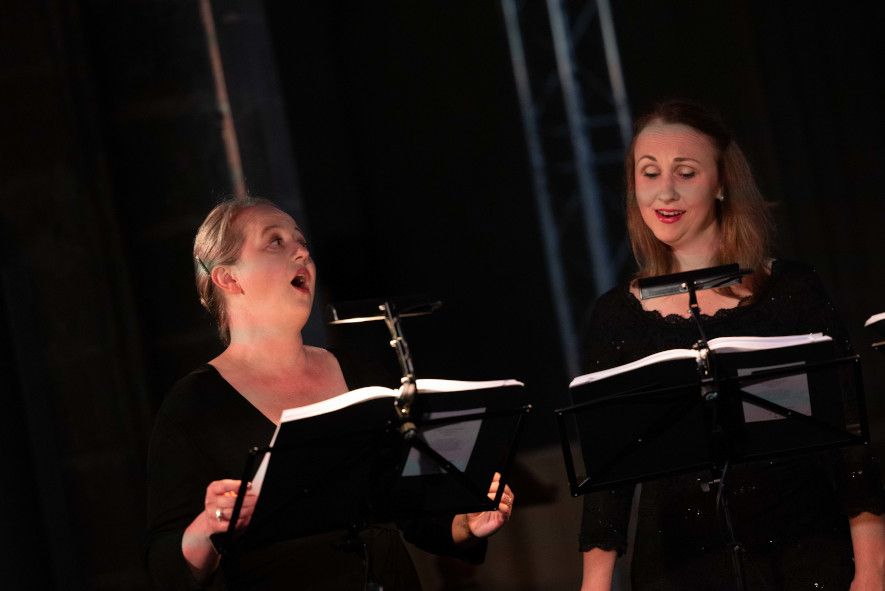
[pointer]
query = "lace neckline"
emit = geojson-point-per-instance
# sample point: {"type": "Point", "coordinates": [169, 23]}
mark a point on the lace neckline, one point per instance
{"type": "Point", "coordinates": [720, 314]}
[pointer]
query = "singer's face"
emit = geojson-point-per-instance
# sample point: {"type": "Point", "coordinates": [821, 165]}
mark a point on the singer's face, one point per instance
{"type": "Point", "coordinates": [677, 180]}
{"type": "Point", "coordinates": [274, 271]}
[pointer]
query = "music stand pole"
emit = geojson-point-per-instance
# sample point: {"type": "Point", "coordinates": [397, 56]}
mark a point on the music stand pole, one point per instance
{"type": "Point", "coordinates": [691, 282]}
{"type": "Point", "coordinates": [709, 391]}
{"type": "Point", "coordinates": [391, 314]}
{"type": "Point", "coordinates": [408, 385]}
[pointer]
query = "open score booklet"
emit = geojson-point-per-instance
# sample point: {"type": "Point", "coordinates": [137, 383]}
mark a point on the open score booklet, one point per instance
{"type": "Point", "coordinates": [459, 446]}
{"type": "Point", "coordinates": [791, 391]}
{"type": "Point", "coordinates": [719, 345]}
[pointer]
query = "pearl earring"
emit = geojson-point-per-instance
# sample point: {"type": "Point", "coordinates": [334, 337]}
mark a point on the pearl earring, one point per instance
{"type": "Point", "coordinates": [720, 196]}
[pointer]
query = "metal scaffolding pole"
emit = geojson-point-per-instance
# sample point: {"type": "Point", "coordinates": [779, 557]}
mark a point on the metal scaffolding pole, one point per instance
{"type": "Point", "coordinates": [584, 161]}
{"type": "Point", "coordinates": [576, 183]}
{"type": "Point", "coordinates": [543, 200]}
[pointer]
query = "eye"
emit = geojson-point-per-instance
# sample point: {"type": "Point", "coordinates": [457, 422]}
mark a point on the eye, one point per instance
{"type": "Point", "coordinates": [275, 242]}
{"type": "Point", "coordinates": [650, 173]}
{"type": "Point", "coordinates": [686, 173]}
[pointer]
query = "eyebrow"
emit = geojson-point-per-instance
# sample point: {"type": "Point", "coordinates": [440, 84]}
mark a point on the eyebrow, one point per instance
{"type": "Point", "coordinates": [677, 159]}
{"type": "Point", "coordinates": [278, 227]}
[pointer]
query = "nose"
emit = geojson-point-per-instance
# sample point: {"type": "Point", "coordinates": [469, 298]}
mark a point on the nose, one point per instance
{"type": "Point", "coordinates": [668, 190]}
{"type": "Point", "coordinates": [301, 251]}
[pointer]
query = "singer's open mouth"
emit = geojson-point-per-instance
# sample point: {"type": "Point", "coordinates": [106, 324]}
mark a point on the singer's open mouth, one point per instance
{"type": "Point", "coordinates": [668, 216]}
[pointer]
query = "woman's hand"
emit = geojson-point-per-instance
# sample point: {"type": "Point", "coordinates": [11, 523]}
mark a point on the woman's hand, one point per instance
{"type": "Point", "coordinates": [219, 506]}
{"type": "Point", "coordinates": [471, 526]}
{"type": "Point", "coordinates": [196, 544]}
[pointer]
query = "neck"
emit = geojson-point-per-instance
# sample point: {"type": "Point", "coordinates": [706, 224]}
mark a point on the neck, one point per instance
{"type": "Point", "coordinates": [267, 351]}
{"type": "Point", "coordinates": [691, 261]}
{"type": "Point", "coordinates": [701, 253]}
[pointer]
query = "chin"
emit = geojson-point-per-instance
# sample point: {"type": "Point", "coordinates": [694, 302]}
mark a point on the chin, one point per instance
{"type": "Point", "coordinates": [667, 239]}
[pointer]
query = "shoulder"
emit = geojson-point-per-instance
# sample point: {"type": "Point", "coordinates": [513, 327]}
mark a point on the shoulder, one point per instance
{"type": "Point", "coordinates": [794, 277]}
{"type": "Point", "coordinates": [798, 301]}
{"type": "Point", "coordinates": [190, 396]}
{"type": "Point", "coordinates": [322, 358]}
{"type": "Point", "coordinates": [326, 365]}
{"type": "Point", "coordinates": [613, 307]}
{"type": "Point", "coordinates": [186, 416]}
{"type": "Point", "coordinates": [610, 311]}
{"type": "Point", "coordinates": [789, 269]}
{"type": "Point", "coordinates": [613, 300]}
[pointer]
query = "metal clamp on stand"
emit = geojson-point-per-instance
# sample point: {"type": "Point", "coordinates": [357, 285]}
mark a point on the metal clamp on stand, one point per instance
{"type": "Point", "coordinates": [391, 313]}
{"type": "Point", "coordinates": [408, 385]}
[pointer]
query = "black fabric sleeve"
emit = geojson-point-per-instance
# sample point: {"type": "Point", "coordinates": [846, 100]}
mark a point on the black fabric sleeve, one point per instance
{"type": "Point", "coordinates": [434, 535]}
{"type": "Point", "coordinates": [175, 491]}
{"type": "Point", "coordinates": [606, 513]}
{"type": "Point", "coordinates": [605, 519]}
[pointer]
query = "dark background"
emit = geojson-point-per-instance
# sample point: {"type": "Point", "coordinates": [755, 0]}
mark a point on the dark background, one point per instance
{"type": "Point", "coordinates": [391, 130]}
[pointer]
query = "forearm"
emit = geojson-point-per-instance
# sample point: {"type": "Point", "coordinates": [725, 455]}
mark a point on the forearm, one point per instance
{"type": "Point", "coordinates": [461, 534]}
{"type": "Point", "coordinates": [868, 541]}
{"type": "Point", "coordinates": [199, 553]}
{"type": "Point", "coordinates": [599, 566]}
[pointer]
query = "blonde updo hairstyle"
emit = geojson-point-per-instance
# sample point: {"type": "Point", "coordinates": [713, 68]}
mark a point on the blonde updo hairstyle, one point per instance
{"type": "Point", "coordinates": [744, 220]}
{"type": "Point", "coordinates": [218, 242]}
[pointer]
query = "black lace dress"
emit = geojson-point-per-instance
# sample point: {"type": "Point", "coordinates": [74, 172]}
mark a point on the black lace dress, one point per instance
{"type": "Point", "coordinates": [790, 514]}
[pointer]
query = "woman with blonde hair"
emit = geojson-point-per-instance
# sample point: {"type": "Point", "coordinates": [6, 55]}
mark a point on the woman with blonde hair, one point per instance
{"type": "Point", "coordinates": [807, 522]}
{"type": "Point", "coordinates": [254, 273]}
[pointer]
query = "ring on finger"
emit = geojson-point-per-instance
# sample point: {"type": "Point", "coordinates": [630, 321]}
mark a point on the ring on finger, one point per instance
{"type": "Point", "coordinates": [219, 514]}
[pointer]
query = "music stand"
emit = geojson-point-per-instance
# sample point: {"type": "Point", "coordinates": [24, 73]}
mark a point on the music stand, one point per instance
{"type": "Point", "coordinates": [697, 406]}
{"type": "Point", "coordinates": [374, 462]}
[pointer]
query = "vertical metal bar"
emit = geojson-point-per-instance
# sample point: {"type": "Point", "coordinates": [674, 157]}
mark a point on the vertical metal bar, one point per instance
{"type": "Point", "coordinates": [512, 446]}
{"type": "Point", "coordinates": [566, 444]}
{"type": "Point", "coordinates": [228, 131]}
{"type": "Point", "coordinates": [615, 72]}
{"type": "Point", "coordinates": [589, 190]}
{"type": "Point", "coordinates": [549, 230]}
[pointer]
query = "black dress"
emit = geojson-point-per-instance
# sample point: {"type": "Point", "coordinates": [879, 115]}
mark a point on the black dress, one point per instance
{"type": "Point", "coordinates": [202, 433]}
{"type": "Point", "coordinates": [790, 514]}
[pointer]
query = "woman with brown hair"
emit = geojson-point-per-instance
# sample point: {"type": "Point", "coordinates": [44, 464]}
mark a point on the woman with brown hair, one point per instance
{"type": "Point", "coordinates": [255, 275]}
{"type": "Point", "coordinates": [807, 522]}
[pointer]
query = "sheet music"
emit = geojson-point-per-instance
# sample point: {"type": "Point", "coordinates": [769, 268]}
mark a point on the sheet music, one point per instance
{"type": "Point", "coordinates": [874, 319]}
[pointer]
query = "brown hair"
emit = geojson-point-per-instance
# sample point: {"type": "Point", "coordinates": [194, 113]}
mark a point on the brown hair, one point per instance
{"type": "Point", "coordinates": [743, 216]}
{"type": "Point", "coordinates": [218, 242]}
